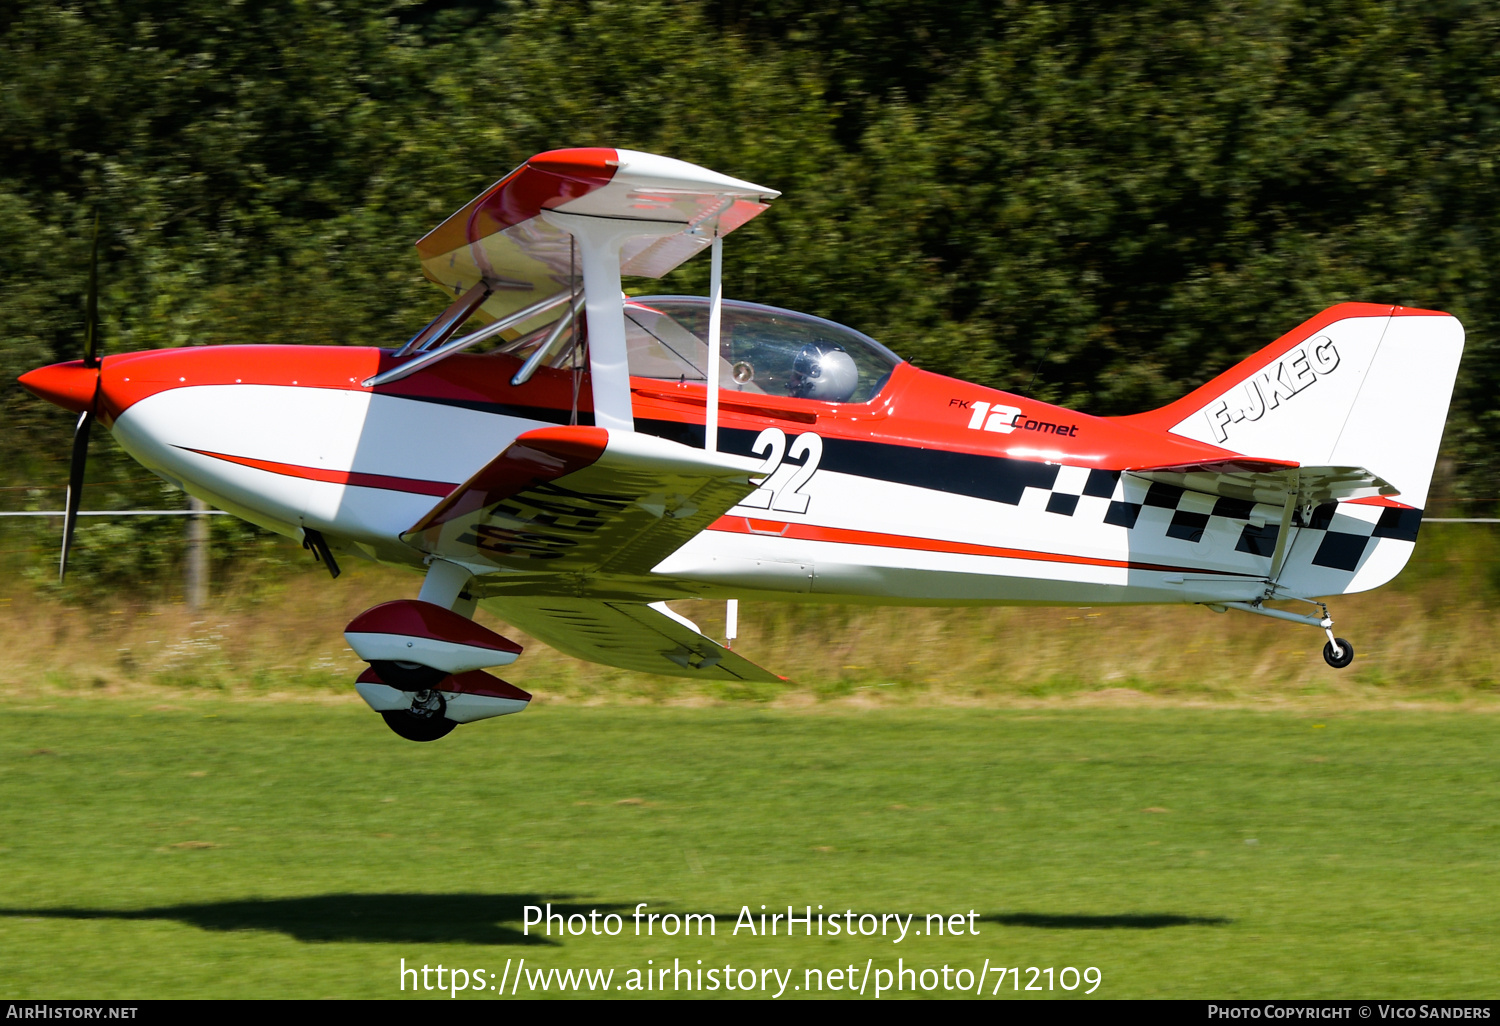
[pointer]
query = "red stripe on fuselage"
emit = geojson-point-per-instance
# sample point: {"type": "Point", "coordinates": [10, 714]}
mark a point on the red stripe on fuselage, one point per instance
{"type": "Point", "coordinates": [812, 532]}
{"type": "Point", "coordinates": [411, 485]}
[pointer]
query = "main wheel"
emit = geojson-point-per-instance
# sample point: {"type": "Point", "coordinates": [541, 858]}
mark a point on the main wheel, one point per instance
{"type": "Point", "coordinates": [424, 721]}
{"type": "Point", "coordinates": [1343, 659]}
{"type": "Point", "coordinates": [408, 676]}
{"type": "Point", "coordinates": [418, 728]}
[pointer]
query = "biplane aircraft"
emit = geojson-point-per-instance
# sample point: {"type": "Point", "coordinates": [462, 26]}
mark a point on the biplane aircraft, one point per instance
{"type": "Point", "coordinates": [609, 454]}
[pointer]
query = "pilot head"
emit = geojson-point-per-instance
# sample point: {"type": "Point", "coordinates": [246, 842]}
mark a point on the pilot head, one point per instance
{"type": "Point", "coordinates": [822, 370]}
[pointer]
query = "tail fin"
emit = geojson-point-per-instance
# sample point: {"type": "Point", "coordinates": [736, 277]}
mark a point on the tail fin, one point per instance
{"type": "Point", "coordinates": [1359, 385]}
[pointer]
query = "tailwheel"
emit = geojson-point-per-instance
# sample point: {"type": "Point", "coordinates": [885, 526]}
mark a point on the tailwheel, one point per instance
{"type": "Point", "coordinates": [424, 721]}
{"type": "Point", "coordinates": [1338, 653]}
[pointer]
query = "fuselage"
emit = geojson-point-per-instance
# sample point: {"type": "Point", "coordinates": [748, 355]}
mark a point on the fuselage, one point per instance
{"type": "Point", "coordinates": [935, 491]}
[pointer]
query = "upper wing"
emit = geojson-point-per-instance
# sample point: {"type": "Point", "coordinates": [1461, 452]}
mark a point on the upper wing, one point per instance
{"type": "Point", "coordinates": [1270, 481]}
{"type": "Point", "coordinates": [583, 500]}
{"type": "Point", "coordinates": [499, 237]}
{"type": "Point", "coordinates": [631, 635]}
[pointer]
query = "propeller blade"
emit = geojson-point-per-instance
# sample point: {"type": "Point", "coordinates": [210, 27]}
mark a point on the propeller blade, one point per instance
{"type": "Point", "coordinates": [75, 485]}
{"type": "Point", "coordinates": [86, 419]}
{"type": "Point", "coordinates": [91, 325]}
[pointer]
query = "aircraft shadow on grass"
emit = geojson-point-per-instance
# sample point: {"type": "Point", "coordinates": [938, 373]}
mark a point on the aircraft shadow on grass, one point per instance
{"type": "Point", "coordinates": [368, 918]}
{"type": "Point", "coordinates": [474, 918]}
{"type": "Point", "coordinates": [1137, 921]}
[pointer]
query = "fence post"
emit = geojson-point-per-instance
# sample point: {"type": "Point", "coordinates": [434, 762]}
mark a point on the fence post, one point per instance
{"type": "Point", "coordinates": [197, 555]}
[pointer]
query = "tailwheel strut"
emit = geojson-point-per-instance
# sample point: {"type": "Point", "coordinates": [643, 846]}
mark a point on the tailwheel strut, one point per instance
{"type": "Point", "coordinates": [1338, 652]}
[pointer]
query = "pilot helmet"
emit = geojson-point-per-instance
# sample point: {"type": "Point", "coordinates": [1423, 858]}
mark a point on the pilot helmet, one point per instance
{"type": "Point", "coordinates": [822, 370]}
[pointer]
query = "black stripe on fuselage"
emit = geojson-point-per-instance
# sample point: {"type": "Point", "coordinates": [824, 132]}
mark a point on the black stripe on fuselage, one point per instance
{"type": "Point", "coordinates": [994, 478]}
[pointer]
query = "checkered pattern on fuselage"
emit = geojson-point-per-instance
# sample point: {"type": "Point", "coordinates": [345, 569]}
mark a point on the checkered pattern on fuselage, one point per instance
{"type": "Point", "coordinates": [1135, 504]}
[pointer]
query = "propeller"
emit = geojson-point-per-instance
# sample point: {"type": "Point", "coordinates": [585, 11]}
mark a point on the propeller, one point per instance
{"type": "Point", "coordinates": [86, 418]}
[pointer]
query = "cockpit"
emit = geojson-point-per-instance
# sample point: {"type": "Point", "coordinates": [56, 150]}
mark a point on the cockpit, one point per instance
{"type": "Point", "coordinates": [766, 350]}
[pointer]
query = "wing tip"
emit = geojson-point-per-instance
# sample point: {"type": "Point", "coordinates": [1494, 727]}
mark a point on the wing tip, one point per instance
{"type": "Point", "coordinates": [593, 165]}
{"type": "Point", "coordinates": [580, 442]}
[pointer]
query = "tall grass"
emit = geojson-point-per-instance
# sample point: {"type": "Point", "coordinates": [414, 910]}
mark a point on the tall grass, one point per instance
{"type": "Point", "coordinates": [1429, 636]}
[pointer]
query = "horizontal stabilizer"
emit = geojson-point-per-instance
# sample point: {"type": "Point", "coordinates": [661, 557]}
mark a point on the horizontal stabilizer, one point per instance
{"type": "Point", "coordinates": [630, 635]}
{"type": "Point", "coordinates": [1273, 482]}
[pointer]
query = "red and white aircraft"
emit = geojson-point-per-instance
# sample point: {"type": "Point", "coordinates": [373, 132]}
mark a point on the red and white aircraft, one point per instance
{"type": "Point", "coordinates": [590, 468]}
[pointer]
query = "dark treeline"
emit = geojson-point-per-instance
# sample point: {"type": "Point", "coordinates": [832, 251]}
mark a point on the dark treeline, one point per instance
{"type": "Point", "coordinates": [1115, 200]}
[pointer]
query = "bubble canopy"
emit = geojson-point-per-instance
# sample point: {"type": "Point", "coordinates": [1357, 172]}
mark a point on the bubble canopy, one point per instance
{"type": "Point", "coordinates": [766, 350]}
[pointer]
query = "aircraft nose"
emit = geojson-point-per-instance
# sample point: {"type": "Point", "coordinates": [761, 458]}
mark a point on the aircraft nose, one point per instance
{"type": "Point", "coordinates": [70, 385]}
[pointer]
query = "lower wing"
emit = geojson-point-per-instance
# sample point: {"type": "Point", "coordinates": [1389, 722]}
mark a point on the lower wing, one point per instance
{"type": "Point", "coordinates": [630, 635]}
{"type": "Point", "coordinates": [582, 501]}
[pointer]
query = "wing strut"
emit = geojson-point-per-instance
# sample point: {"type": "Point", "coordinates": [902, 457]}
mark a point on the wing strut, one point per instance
{"type": "Point", "coordinates": [442, 352]}
{"type": "Point", "coordinates": [600, 240]}
{"type": "Point", "coordinates": [450, 320]}
{"type": "Point", "coordinates": [549, 344]}
{"type": "Point", "coordinates": [1278, 557]}
{"type": "Point", "coordinates": [711, 421]}
{"type": "Point", "coordinates": [715, 319]}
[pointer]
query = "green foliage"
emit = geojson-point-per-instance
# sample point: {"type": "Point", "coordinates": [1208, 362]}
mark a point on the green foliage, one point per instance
{"type": "Point", "coordinates": [1101, 204]}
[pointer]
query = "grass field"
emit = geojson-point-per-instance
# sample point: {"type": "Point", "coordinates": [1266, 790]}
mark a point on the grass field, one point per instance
{"type": "Point", "coordinates": [206, 846]}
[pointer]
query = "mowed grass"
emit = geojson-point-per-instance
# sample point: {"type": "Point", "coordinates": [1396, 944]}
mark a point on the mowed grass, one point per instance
{"type": "Point", "coordinates": [219, 847]}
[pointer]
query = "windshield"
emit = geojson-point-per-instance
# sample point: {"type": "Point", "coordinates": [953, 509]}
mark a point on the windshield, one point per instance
{"type": "Point", "coordinates": [768, 351]}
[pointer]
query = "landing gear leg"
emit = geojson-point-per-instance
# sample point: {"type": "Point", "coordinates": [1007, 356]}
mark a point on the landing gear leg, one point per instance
{"type": "Point", "coordinates": [424, 721]}
{"type": "Point", "coordinates": [444, 584]}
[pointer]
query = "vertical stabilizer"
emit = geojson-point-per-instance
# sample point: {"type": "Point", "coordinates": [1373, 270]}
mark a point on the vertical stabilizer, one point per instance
{"type": "Point", "coordinates": [1359, 385]}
